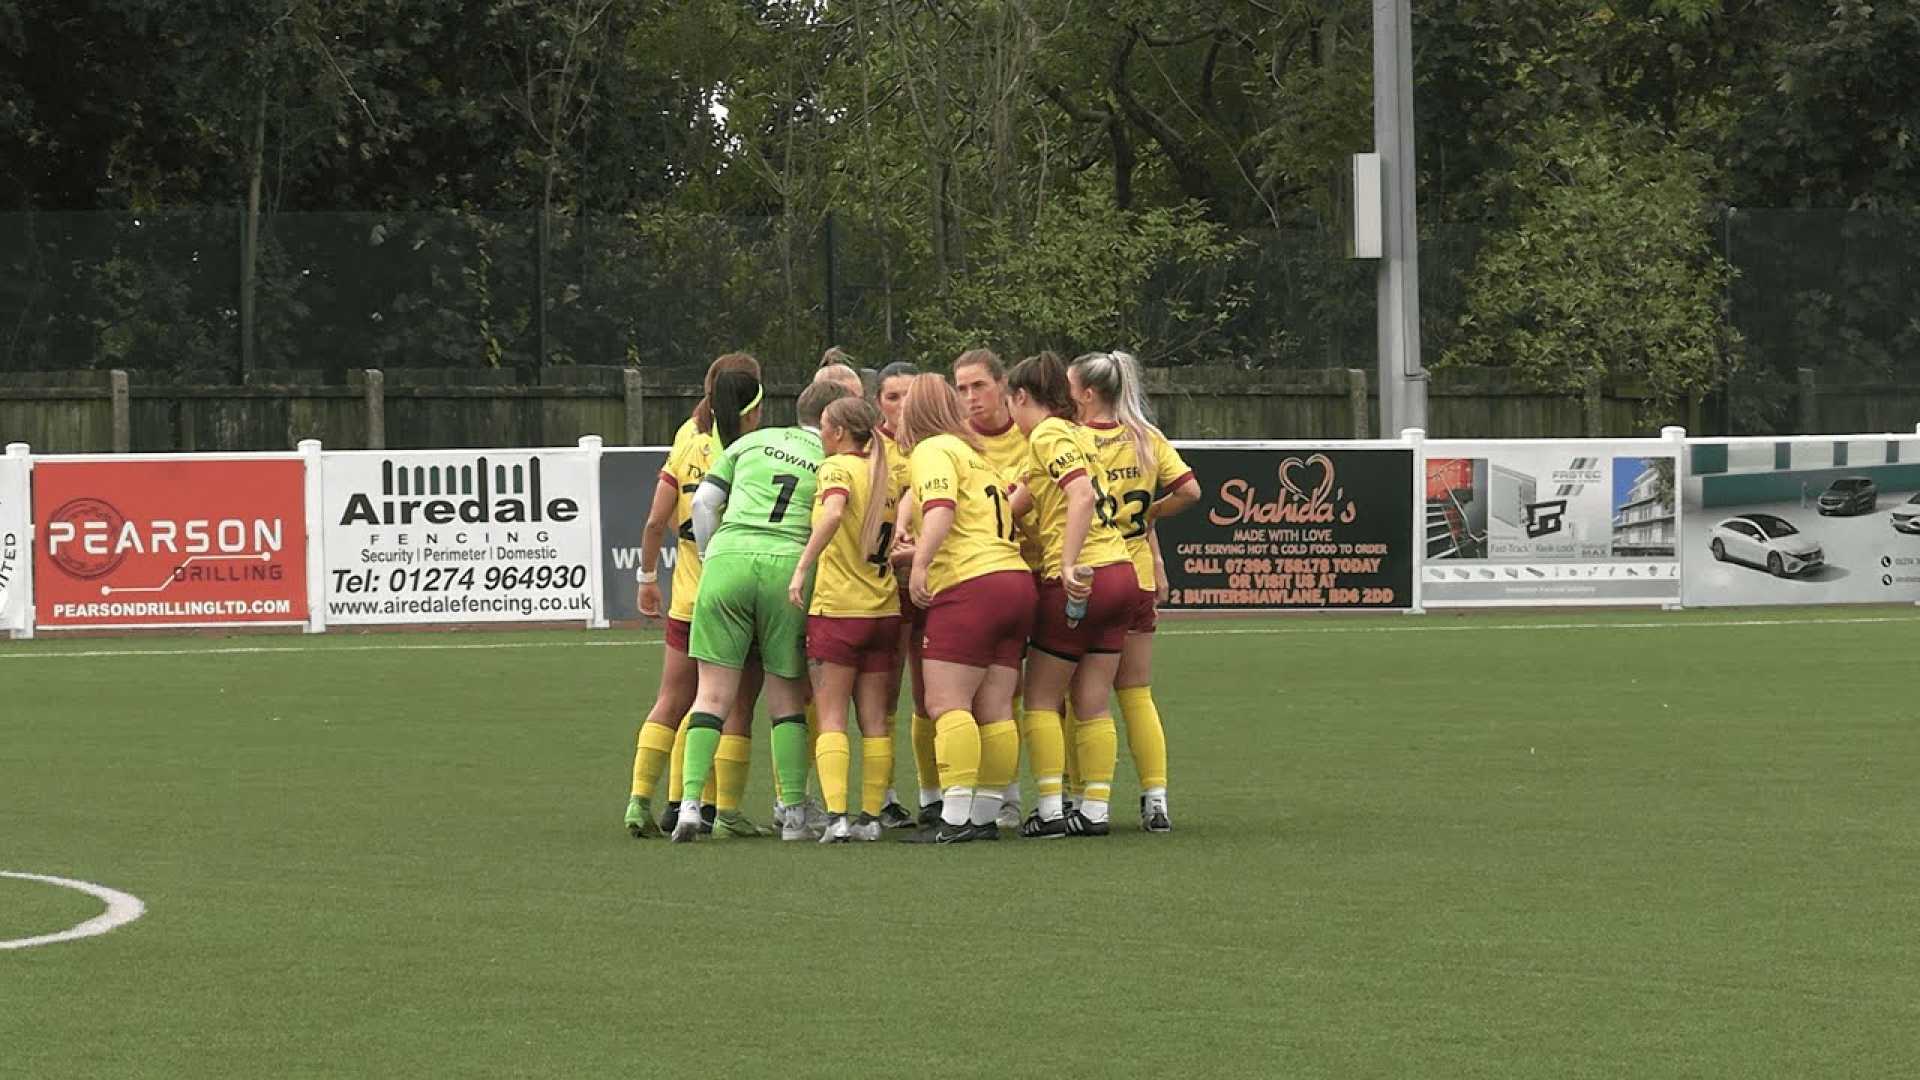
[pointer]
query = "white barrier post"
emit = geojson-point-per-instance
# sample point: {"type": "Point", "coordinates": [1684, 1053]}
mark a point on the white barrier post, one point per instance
{"type": "Point", "coordinates": [1418, 438]}
{"type": "Point", "coordinates": [1678, 437]}
{"type": "Point", "coordinates": [24, 580]}
{"type": "Point", "coordinates": [316, 539]}
{"type": "Point", "coordinates": [594, 445]}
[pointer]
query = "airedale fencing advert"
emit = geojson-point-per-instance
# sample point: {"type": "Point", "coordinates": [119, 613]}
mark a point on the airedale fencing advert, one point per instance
{"type": "Point", "coordinates": [460, 536]}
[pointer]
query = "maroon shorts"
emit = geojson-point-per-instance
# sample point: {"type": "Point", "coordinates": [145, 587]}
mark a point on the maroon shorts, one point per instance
{"type": "Point", "coordinates": [865, 644]}
{"type": "Point", "coordinates": [1110, 612]}
{"type": "Point", "coordinates": [1146, 613]}
{"type": "Point", "coordinates": [981, 622]}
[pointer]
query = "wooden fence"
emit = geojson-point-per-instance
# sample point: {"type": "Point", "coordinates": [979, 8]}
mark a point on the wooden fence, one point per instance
{"type": "Point", "coordinates": [421, 408]}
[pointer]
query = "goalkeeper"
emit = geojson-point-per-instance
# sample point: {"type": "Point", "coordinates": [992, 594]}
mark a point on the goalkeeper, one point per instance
{"type": "Point", "coordinates": [751, 519]}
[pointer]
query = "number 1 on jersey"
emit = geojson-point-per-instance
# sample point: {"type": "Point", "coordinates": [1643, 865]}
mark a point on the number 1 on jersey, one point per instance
{"type": "Point", "coordinates": [1001, 525]}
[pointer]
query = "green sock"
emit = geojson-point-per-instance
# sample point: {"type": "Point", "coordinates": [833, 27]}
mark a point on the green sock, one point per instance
{"type": "Point", "coordinates": [703, 739]}
{"type": "Point", "coordinates": [790, 757]}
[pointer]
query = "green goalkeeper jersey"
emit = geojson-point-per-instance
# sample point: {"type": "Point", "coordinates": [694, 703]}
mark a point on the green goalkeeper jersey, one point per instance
{"type": "Point", "coordinates": [769, 477]}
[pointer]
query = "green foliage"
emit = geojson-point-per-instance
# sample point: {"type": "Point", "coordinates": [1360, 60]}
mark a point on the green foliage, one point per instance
{"type": "Point", "coordinates": [1027, 171]}
{"type": "Point", "coordinates": [1604, 273]}
{"type": "Point", "coordinates": [1079, 281]}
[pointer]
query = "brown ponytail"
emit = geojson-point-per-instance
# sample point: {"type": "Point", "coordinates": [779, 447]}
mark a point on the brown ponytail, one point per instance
{"type": "Point", "coordinates": [734, 361]}
{"type": "Point", "coordinates": [1044, 378]}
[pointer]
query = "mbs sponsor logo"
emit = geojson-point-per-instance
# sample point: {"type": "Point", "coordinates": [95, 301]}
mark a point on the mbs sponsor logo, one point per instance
{"type": "Point", "coordinates": [1309, 494]}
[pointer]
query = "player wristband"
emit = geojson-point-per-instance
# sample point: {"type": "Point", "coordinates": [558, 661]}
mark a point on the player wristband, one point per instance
{"type": "Point", "coordinates": [646, 577]}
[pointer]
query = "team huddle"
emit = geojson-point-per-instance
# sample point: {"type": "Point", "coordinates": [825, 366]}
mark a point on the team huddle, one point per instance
{"type": "Point", "coordinates": [988, 541]}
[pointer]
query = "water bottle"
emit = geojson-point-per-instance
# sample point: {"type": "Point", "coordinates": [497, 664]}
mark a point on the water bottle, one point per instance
{"type": "Point", "coordinates": [1077, 609]}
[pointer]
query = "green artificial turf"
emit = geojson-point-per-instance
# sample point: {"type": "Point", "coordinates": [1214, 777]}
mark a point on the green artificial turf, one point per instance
{"type": "Point", "coordinates": [1551, 846]}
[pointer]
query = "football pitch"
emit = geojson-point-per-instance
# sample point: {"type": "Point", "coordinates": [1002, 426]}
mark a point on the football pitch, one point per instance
{"type": "Point", "coordinates": [1550, 846]}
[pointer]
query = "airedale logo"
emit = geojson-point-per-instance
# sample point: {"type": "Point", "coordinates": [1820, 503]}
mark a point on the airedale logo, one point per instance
{"type": "Point", "coordinates": [476, 494]}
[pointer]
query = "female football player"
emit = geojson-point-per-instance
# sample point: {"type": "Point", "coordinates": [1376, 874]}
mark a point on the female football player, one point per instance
{"type": "Point", "coordinates": [853, 623]}
{"type": "Point", "coordinates": [1087, 596]}
{"type": "Point", "coordinates": [663, 735]}
{"type": "Point", "coordinates": [981, 381]}
{"type": "Point", "coordinates": [891, 396]}
{"type": "Point", "coordinates": [1146, 477]}
{"type": "Point", "coordinates": [751, 520]}
{"type": "Point", "coordinates": [978, 595]}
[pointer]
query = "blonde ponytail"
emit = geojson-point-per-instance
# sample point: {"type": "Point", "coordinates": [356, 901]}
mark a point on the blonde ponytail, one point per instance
{"type": "Point", "coordinates": [1116, 378]}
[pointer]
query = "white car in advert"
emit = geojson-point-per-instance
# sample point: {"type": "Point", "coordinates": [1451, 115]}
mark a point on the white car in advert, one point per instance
{"type": "Point", "coordinates": [1766, 541]}
{"type": "Point", "coordinates": [1906, 516]}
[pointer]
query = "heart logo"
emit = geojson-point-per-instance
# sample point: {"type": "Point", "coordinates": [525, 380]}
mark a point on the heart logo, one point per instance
{"type": "Point", "coordinates": [1297, 476]}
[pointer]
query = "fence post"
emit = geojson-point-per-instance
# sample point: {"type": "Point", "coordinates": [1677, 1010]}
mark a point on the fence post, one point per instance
{"type": "Point", "coordinates": [1417, 439]}
{"type": "Point", "coordinates": [23, 573]}
{"type": "Point", "coordinates": [375, 389]}
{"type": "Point", "coordinates": [1678, 437]}
{"type": "Point", "coordinates": [316, 538]}
{"type": "Point", "coordinates": [1809, 401]}
{"type": "Point", "coordinates": [1357, 402]}
{"type": "Point", "coordinates": [594, 445]}
{"type": "Point", "coordinates": [1595, 415]}
{"type": "Point", "coordinates": [122, 411]}
{"type": "Point", "coordinates": [636, 408]}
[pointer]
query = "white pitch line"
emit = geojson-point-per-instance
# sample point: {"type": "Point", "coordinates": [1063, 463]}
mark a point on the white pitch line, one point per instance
{"type": "Point", "coordinates": [122, 908]}
{"type": "Point", "coordinates": [1418, 628]}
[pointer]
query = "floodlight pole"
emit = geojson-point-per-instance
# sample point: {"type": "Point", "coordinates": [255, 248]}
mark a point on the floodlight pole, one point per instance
{"type": "Point", "coordinates": [1403, 381]}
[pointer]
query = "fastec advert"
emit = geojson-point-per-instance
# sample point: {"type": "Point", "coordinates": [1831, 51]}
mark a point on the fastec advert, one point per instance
{"type": "Point", "coordinates": [170, 542]}
{"type": "Point", "coordinates": [1293, 529]}
{"type": "Point", "coordinates": [1576, 522]}
{"type": "Point", "coordinates": [457, 536]}
{"type": "Point", "coordinates": [13, 543]}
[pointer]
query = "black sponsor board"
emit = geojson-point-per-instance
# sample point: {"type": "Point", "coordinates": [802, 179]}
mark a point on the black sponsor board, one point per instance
{"type": "Point", "coordinates": [1293, 528]}
{"type": "Point", "coordinates": [627, 482]}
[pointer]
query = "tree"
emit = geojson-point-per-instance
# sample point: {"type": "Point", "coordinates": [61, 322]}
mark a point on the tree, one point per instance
{"type": "Point", "coordinates": [1605, 272]}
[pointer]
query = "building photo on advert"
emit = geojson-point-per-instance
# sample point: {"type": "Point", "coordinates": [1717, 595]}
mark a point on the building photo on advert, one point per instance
{"type": "Point", "coordinates": [1802, 521]}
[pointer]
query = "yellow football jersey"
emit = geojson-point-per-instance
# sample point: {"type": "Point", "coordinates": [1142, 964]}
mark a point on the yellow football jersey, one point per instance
{"type": "Point", "coordinates": [687, 431]}
{"type": "Point", "coordinates": [948, 472]}
{"type": "Point", "coordinates": [1128, 483]}
{"type": "Point", "coordinates": [686, 466]}
{"type": "Point", "coordinates": [1061, 450]}
{"type": "Point", "coordinates": [898, 467]}
{"type": "Point", "coordinates": [1007, 451]}
{"type": "Point", "coordinates": [850, 582]}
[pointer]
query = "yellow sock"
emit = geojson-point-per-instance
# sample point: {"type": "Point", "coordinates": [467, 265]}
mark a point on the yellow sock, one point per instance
{"type": "Point", "coordinates": [876, 773]}
{"type": "Point", "coordinates": [1146, 739]}
{"type": "Point", "coordinates": [832, 755]}
{"type": "Point", "coordinates": [957, 747]}
{"type": "Point", "coordinates": [1097, 745]}
{"type": "Point", "coordinates": [999, 753]}
{"type": "Point", "coordinates": [655, 747]}
{"type": "Point", "coordinates": [1047, 753]}
{"type": "Point", "coordinates": [925, 761]}
{"type": "Point", "coordinates": [731, 763]}
{"type": "Point", "coordinates": [1070, 747]}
